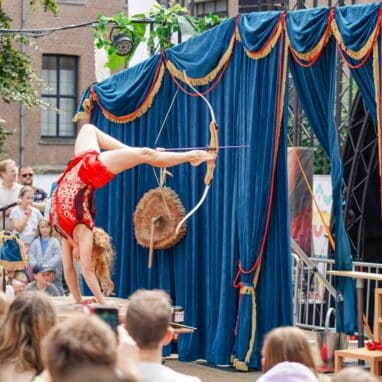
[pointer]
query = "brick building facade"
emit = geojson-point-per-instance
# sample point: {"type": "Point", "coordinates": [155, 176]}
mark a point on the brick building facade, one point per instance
{"type": "Point", "coordinates": [64, 55]}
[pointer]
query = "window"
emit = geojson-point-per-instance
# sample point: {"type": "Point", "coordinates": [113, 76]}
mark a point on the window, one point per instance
{"type": "Point", "coordinates": [60, 76]}
{"type": "Point", "coordinates": [204, 7]}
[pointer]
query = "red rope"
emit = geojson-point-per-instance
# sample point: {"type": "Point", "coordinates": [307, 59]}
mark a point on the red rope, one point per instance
{"type": "Point", "coordinates": [317, 56]}
{"type": "Point", "coordinates": [275, 153]}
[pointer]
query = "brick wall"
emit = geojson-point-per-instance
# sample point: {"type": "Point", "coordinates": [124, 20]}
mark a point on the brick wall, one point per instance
{"type": "Point", "coordinates": [78, 42]}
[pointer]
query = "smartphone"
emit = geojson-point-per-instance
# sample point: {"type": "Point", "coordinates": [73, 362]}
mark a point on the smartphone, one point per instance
{"type": "Point", "coordinates": [109, 315]}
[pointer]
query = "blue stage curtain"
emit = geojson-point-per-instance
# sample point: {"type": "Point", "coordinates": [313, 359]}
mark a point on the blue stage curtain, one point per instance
{"type": "Point", "coordinates": [200, 270]}
{"type": "Point", "coordinates": [356, 25]}
{"type": "Point", "coordinates": [315, 86]}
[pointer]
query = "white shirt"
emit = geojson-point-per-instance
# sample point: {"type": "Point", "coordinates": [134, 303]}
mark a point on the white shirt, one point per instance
{"type": "Point", "coordinates": [155, 372]}
{"type": "Point", "coordinates": [8, 196]}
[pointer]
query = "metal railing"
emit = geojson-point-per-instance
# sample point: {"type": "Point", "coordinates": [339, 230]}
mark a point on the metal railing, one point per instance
{"type": "Point", "coordinates": [311, 298]}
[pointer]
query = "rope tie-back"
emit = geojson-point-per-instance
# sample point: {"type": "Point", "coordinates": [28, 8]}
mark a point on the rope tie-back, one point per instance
{"type": "Point", "coordinates": [362, 54]}
{"type": "Point", "coordinates": [145, 105]}
{"type": "Point", "coordinates": [270, 44]}
{"type": "Point", "coordinates": [282, 71]}
{"type": "Point", "coordinates": [314, 54]}
{"type": "Point", "coordinates": [192, 81]}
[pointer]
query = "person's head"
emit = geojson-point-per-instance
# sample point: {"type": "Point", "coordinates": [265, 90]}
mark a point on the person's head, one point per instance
{"type": "Point", "coordinates": [148, 318]}
{"type": "Point", "coordinates": [25, 175]}
{"type": "Point", "coordinates": [93, 374]}
{"type": "Point", "coordinates": [78, 341]}
{"type": "Point", "coordinates": [26, 196]}
{"type": "Point", "coordinates": [44, 228]}
{"type": "Point", "coordinates": [354, 374]}
{"type": "Point", "coordinates": [4, 305]}
{"type": "Point", "coordinates": [103, 256]}
{"type": "Point", "coordinates": [286, 344]}
{"type": "Point", "coordinates": [8, 170]}
{"type": "Point", "coordinates": [42, 275]}
{"type": "Point", "coordinates": [19, 281]}
{"type": "Point", "coordinates": [29, 318]}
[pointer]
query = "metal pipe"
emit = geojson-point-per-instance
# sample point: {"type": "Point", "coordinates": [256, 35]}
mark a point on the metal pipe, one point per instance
{"type": "Point", "coordinates": [22, 108]}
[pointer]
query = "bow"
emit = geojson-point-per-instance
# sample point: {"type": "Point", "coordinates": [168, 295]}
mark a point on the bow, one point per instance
{"type": "Point", "coordinates": [213, 145]}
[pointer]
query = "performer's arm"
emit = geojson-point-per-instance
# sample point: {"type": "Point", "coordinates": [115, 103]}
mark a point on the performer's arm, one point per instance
{"type": "Point", "coordinates": [87, 265]}
{"type": "Point", "coordinates": [69, 270]}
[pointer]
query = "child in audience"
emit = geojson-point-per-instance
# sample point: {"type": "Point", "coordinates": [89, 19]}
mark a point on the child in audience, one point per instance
{"type": "Point", "coordinates": [45, 251]}
{"type": "Point", "coordinates": [287, 356]}
{"type": "Point", "coordinates": [354, 374]}
{"type": "Point", "coordinates": [25, 217]}
{"type": "Point", "coordinates": [29, 318]}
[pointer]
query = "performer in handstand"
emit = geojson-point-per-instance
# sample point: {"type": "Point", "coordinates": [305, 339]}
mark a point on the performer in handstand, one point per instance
{"type": "Point", "coordinates": [72, 213]}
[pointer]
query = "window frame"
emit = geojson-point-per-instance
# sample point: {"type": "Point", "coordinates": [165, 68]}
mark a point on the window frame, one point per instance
{"type": "Point", "coordinates": [58, 96]}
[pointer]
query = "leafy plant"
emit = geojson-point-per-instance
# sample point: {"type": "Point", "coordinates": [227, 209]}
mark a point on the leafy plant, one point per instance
{"type": "Point", "coordinates": [122, 24]}
{"type": "Point", "coordinates": [164, 23]}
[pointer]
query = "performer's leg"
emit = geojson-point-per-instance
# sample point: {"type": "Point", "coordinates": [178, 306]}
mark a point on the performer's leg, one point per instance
{"type": "Point", "coordinates": [120, 160]}
{"type": "Point", "coordinates": [84, 237]}
{"type": "Point", "coordinates": [70, 273]}
{"type": "Point", "coordinates": [91, 138]}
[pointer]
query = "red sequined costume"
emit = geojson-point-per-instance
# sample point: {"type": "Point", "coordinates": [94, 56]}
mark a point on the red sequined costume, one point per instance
{"type": "Point", "coordinates": [73, 199]}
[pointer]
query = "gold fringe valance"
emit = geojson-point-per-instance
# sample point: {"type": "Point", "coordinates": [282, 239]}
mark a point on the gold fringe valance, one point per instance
{"type": "Point", "coordinates": [142, 109]}
{"type": "Point", "coordinates": [359, 54]}
{"type": "Point", "coordinates": [269, 45]}
{"type": "Point", "coordinates": [13, 265]}
{"type": "Point", "coordinates": [211, 75]}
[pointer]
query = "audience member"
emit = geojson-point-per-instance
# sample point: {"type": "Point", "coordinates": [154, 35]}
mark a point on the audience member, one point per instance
{"type": "Point", "coordinates": [25, 178]}
{"type": "Point", "coordinates": [41, 283]}
{"type": "Point", "coordinates": [29, 318]}
{"type": "Point", "coordinates": [83, 341]}
{"type": "Point", "coordinates": [92, 374]}
{"type": "Point", "coordinates": [148, 322]}
{"type": "Point", "coordinates": [16, 284]}
{"type": "Point", "coordinates": [354, 374]}
{"type": "Point", "coordinates": [9, 190]}
{"type": "Point", "coordinates": [4, 305]}
{"type": "Point", "coordinates": [25, 217]}
{"type": "Point", "coordinates": [45, 251]}
{"type": "Point", "coordinates": [287, 348]}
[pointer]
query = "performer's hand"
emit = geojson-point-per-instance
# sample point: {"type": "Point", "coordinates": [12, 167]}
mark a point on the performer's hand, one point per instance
{"type": "Point", "coordinates": [200, 156]}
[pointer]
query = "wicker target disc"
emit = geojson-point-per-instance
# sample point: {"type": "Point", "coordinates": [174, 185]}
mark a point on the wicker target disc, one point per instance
{"type": "Point", "coordinates": [163, 208]}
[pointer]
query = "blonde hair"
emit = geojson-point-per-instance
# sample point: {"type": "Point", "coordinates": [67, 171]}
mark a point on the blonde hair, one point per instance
{"type": "Point", "coordinates": [45, 221]}
{"type": "Point", "coordinates": [103, 259]}
{"type": "Point", "coordinates": [78, 341]}
{"type": "Point", "coordinates": [5, 163]}
{"type": "Point", "coordinates": [287, 344]}
{"type": "Point", "coordinates": [148, 317]}
{"type": "Point", "coordinates": [354, 374]}
{"type": "Point", "coordinates": [29, 318]}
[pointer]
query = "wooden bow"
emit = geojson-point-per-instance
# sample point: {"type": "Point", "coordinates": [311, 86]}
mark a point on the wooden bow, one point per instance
{"type": "Point", "coordinates": [213, 145]}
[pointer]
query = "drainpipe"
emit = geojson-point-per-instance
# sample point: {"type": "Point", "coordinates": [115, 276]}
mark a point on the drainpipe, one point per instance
{"type": "Point", "coordinates": [21, 107]}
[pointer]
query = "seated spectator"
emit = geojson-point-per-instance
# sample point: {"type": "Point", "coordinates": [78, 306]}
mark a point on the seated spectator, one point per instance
{"type": "Point", "coordinates": [45, 251]}
{"type": "Point", "coordinates": [4, 305]}
{"type": "Point", "coordinates": [29, 318]}
{"type": "Point", "coordinates": [41, 283]}
{"type": "Point", "coordinates": [148, 322]}
{"type": "Point", "coordinates": [82, 341]}
{"type": "Point", "coordinates": [287, 348]}
{"type": "Point", "coordinates": [354, 374]}
{"type": "Point", "coordinates": [25, 178]}
{"type": "Point", "coordinates": [16, 284]}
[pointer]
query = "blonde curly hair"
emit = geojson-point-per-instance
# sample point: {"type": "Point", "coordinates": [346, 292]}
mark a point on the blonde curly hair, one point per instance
{"type": "Point", "coordinates": [103, 259]}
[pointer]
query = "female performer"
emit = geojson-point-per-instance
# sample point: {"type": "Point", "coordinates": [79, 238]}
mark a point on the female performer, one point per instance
{"type": "Point", "coordinates": [72, 214]}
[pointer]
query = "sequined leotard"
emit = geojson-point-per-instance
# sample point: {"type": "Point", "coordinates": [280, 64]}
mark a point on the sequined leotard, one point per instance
{"type": "Point", "coordinates": [73, 199]}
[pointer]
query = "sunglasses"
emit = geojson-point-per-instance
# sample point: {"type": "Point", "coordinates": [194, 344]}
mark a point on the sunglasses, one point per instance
{"type": "Point", "coordinates": [25, 175]}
